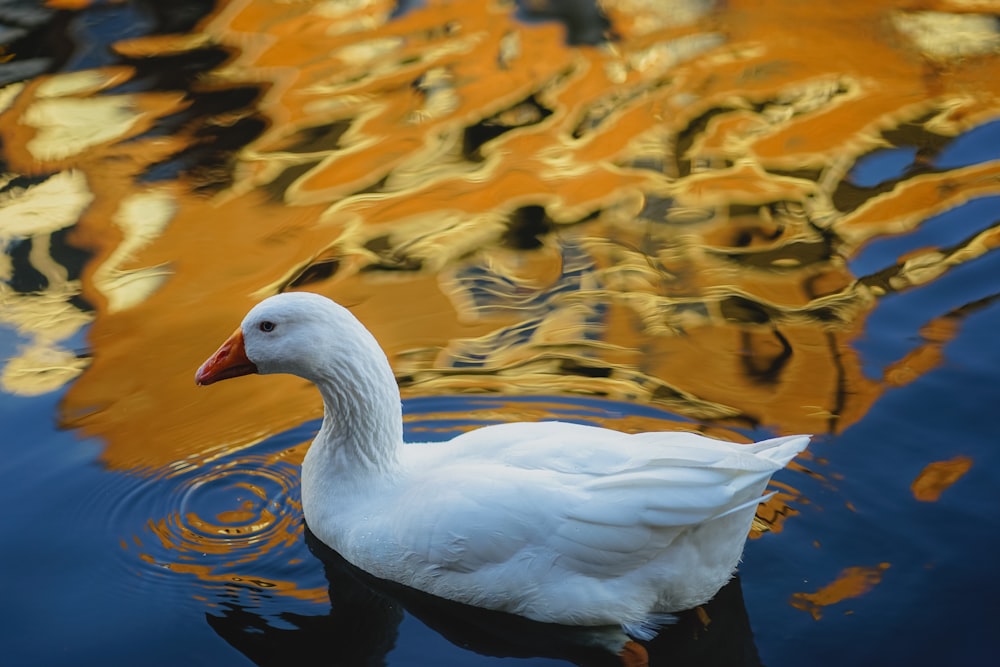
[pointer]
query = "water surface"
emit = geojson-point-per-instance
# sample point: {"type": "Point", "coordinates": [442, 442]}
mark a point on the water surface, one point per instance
{"type": "Point", "coordinates": [742, 219]}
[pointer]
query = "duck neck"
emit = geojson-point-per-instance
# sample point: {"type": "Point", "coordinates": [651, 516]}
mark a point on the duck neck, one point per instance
{"type": "Point", "coordinates": [362, 427]}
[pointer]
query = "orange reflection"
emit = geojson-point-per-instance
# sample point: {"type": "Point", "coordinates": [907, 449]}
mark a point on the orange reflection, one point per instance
{"type": "Point", "coordinates": [772, 514]}
{"type": "Point", "coordinates": [938, 476]}
{"type": "Point", "coordinates": [286, 588]}
{"type": "Point", "coordinates": [851, 583]}
{"type": "Point", "coordinates": [645, 216]}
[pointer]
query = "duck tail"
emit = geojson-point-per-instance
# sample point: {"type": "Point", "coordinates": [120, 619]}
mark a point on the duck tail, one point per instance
{"type": "Point", "coordinates": [650, 626]}
{"type": "Point", "coordinates": [781, 450]}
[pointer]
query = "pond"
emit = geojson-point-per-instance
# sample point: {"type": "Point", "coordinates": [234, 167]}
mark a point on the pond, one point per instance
{"type": "Point", "coordinates": [741, 219]}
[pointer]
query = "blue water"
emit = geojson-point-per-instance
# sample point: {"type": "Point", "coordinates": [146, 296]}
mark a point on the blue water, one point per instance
{"type": "Point", "coordinates": [930, 608]}
{"type": "Point", "coordinates": [882, 165]}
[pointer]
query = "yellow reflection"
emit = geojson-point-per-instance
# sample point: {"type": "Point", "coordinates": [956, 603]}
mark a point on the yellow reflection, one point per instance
{"type": "Point", "coordinates": [44, 317]}
{"type": "Point", "coordinates": [141, 217]}
{"type": "Point", "coordinates": [942, 35]}
{"type": "Point", "coordinates": [39, 369]}
{"type": "Point", "coordinates": [67, 125]}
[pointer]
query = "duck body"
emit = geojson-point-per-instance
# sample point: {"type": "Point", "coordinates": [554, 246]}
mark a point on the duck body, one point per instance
{"type": "Point", "coordinates": [554, 521]}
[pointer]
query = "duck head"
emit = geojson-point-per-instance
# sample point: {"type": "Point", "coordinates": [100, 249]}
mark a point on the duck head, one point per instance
{"type": "Point", "coordinates": [297, 332]}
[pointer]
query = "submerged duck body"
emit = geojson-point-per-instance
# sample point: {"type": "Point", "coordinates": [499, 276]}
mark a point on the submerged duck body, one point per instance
{"type": "Point", "coordinates": [553, 521]}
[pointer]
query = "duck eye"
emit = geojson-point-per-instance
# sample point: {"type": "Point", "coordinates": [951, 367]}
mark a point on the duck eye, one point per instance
{"type": "Point", "coordinates": [266, 326]}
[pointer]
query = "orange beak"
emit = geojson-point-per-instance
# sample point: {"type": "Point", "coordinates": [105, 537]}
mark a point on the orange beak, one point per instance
{"type": "Point", "coordinates": [229, 361]}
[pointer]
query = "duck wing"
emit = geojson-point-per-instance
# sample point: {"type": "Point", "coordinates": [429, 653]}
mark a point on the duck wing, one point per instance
{"type": "Point", "coordinates": [593, 501]}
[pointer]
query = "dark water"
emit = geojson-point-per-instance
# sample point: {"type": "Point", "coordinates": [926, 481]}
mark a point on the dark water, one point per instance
{"type": "Point", "coordinates": [583, 248]}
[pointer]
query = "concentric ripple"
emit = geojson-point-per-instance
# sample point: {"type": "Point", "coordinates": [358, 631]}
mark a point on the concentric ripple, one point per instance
{"type": "Point", "coordinates": [234, 524]}
{"type": "Point", "coordinates": [236, 509]}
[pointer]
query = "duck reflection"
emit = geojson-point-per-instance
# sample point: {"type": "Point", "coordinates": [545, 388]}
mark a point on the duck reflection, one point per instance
{"type": "Point", "coordinates": [366, 612]}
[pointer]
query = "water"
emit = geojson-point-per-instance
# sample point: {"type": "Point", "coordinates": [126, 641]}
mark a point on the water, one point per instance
{"type": "Point", "coordinates": [742, 220]}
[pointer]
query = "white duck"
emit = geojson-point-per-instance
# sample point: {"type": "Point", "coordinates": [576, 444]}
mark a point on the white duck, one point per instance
{"type": "Point", "coordinates": [553, 521]}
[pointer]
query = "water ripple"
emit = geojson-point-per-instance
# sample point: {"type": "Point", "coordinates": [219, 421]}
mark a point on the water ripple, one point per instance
{"type": "Point", "coordinates": [232, 509]}
{"type": "Point", "coordinates": [234, 525]}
